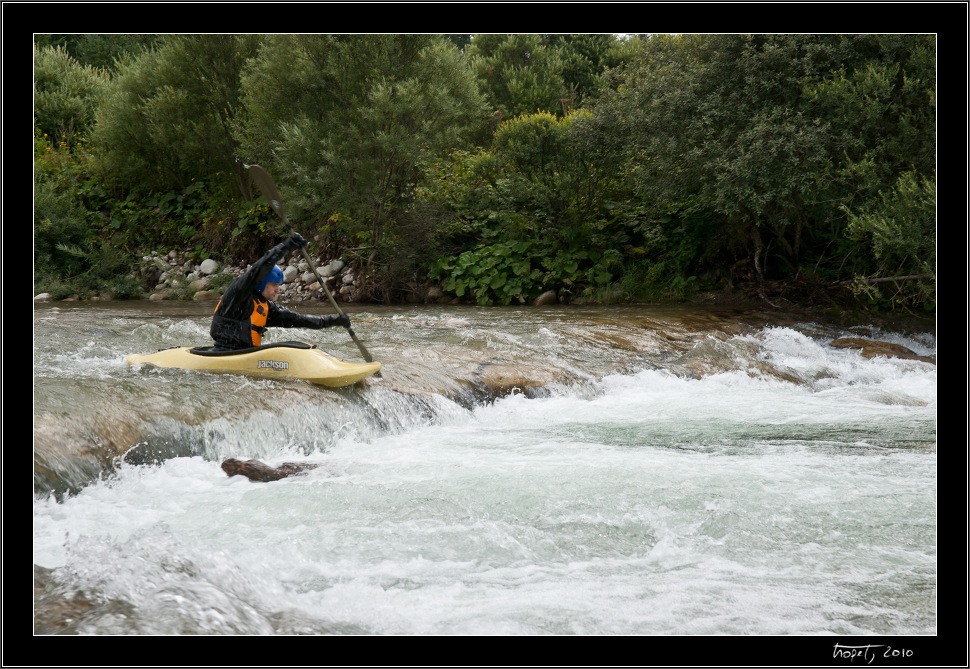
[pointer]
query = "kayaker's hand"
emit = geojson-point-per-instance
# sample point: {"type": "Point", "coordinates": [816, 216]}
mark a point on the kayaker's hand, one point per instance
{"type": "Point", "coordinates": [297, 241]}
{"type": "Point", "coordinates": [331, 321]}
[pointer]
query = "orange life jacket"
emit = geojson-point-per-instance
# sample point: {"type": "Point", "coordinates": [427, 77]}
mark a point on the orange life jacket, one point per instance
{"type": "Point", "coordinates": [257, 319]}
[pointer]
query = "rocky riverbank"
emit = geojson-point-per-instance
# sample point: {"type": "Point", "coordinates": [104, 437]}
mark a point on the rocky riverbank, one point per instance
{"type": "Point", "coordinates": [178, 275]}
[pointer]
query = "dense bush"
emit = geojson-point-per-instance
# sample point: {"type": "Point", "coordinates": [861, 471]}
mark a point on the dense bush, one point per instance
{"type": "Point", "coordinates": [69, 258]}
{"type": "Point", "coordinates": [900, 228]}
{"type": "Point", "coordinates": [500, 165]}
{"type": "Point", "coordinates": [66, 96]}
{"type": "Point", "coordinates": [777, 138]}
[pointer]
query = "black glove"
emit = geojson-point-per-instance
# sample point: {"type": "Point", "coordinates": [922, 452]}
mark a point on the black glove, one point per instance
{"type": "Point", "coordinates": [296, 241]}
{"type": "Point", "coordinates": [330, 321]}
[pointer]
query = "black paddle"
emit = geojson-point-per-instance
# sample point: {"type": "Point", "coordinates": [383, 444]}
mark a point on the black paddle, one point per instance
{"type": "Point", "coordinates": [268, 189]}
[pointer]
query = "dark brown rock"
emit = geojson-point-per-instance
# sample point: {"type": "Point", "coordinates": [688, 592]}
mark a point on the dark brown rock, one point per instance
{"type": "Point", "coordinates": [255, 470]}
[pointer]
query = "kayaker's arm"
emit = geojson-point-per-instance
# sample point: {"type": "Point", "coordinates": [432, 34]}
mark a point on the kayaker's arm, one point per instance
{"type": "Point", "coordinates": [265, 265]}
{"type": "Point", "coordinates": [281, 317]}
{"type": "Point", "coordinates": [237, 301]}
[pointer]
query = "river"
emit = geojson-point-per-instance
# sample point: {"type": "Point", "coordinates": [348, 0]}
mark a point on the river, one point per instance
{"type": "Point", "coordinates": [636, 470]}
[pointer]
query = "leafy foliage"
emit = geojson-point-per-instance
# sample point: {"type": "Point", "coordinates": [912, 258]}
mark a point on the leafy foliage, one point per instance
{"type": "Point", "coordinates": [167, 118]}
{"type": "Point", "coordinates": [69, 257]}
{"type": "Point", "coordinates": [773, 135]}
{"type": "Point", "coordinates": [97, 51]}
{"type": "Point", "coordinates": [497, 273]}
{"type": "Point", "coordinates": [345, 120]}
{"type": "Point", "coordinates": [521, 74]}
{"type": "Point", "coordinates": [65, 96]}
{"type": "Point", "coordinates": [555, 74]}
{"type": "Point", "coordinates": [900, 228]}
{"type": "Point", "coordinates": [535, 211]}
{"type": "Point", "coordinates": [502, 165]}
{"type": "Point", "coordinates": [515, 272]}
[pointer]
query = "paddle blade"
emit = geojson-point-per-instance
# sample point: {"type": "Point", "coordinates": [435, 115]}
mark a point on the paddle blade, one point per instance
{"type": "Point", "coordinates": [264, 182]}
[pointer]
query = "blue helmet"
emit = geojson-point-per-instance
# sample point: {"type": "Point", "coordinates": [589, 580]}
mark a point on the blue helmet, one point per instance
{"type": "Point", "coordinates": [275, 276]}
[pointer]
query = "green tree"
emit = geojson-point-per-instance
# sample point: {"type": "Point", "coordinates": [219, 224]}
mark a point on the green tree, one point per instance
{"type": "Point", "coordinates": [519, 74]}
{"type": "Point", "coordinates": [65, 96]}
{"type": "Point", "coordinates": [535, 161]}
{"type": "Point", "coordinates": [168, 115]}
{"type": "Point", "coordinates": [711, 117]}
{"type": "Point", "coordinates": [879, 110]}
{"type": "Point", "coordinates": [771, 135]}
{"type": "Point", "coordinates": [62, 239]}
{"type": "Point", "coordinates": [343, 120]}
{"type": "Point", "coordinates": [98, 51]}
{"type": "Point", "coordinates": [70, 256]}
{"type": "Point", "coordinates": [525, 74]}
{"type": "Point", "coordinates": [585, 58]}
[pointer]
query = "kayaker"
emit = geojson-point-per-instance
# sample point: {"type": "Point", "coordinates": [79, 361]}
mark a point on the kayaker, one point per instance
{"type": "Point", "coordinates": [248, 306]}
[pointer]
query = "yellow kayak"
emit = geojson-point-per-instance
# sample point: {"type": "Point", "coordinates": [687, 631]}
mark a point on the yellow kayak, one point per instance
{"type": "Point", "coordinates": [286, 360]}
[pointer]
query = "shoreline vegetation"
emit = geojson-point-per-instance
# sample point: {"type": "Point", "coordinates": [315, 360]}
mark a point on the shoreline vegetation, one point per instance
{"type": "Point", "coordinates": [777, 172]}
{"type": "Point", "coordinates": [177, 277]}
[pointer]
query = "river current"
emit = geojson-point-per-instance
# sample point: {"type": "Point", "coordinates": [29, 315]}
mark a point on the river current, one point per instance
{"type": "Point", "coordinates": [515, 471]}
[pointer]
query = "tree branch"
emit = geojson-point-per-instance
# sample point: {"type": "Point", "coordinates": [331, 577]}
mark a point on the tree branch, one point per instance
{"type": "Point", "coordinates": [886, 279]}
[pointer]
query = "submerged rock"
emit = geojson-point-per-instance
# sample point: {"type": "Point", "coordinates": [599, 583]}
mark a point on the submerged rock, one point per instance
{"type": "Point", "coordinates": [504, 378]}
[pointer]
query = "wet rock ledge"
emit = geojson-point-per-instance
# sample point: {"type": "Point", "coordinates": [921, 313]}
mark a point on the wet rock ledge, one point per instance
{"type": "Point", "coordinates": [870, 349]}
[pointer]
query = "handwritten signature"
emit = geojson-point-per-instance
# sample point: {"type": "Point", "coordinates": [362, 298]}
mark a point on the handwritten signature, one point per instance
{"type": "Point", "coordinates": [869, 652]}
